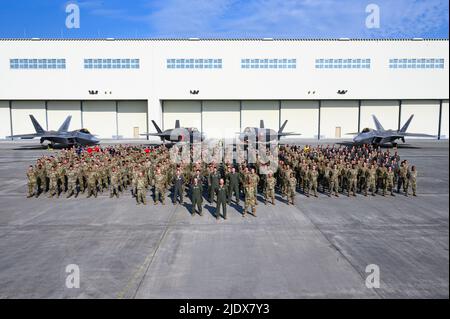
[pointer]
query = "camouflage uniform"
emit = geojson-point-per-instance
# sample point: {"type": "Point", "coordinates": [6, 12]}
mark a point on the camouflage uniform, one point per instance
{"type": "Point", "coordinates": [250, 200]}
{"type": "Point", "coordinates": [114, 183]}
{"type": "Point", "coordinates": [291, 189]}
{"type": "Point", "coordinates": [160, 188]}
{"type": "Point", "coordinates": [71, 182]}
{"type": "Point", "coordinates": [270, 189]}
{"type": "Point", "coordinates": [141, 187]}
{"type": "Point", "coordinates": [32, 182]}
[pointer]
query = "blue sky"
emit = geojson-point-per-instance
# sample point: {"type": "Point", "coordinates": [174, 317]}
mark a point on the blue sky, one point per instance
{"type": "Point", "coordinates": [224, 19]}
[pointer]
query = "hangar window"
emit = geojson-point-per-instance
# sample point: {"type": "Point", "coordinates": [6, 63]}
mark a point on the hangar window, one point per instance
{"type": "Point", "coordinates": [282, 63]}
{"type": "Point", "coordinates": [111, 63]}
{"type": "Point", "coordinates": [343, 63]}
{"type": "Point", "coordinates": [37, 64]}
{"type": "Point", "coordinates": [416, 63]}
{"type": "Point", "coordinates": [191, 63]}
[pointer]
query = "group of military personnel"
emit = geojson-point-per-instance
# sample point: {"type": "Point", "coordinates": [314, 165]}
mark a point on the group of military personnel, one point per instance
{"type": "Point", "coordinates": [333, 170]}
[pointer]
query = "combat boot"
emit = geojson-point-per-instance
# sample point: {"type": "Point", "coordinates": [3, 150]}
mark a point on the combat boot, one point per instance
{"type": "Point", "coordinates": [273, 201]}
{"type": "Point", "coordinates": [254, 211]}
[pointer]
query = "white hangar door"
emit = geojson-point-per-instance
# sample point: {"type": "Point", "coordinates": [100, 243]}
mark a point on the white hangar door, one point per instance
{"type": "Point", "coordinates": [188, 112]}
{"type": "Point", "coordinates": [132, 118]}
{"type": "Point", "coordinates": [338, 118]}
{"type": "Point", "coordinates": [254, 111]}
{"type": "Point", "coordinates": [444, 120]}
{"type": "Point", "coordinates": [302, 116]}
{"type": "Point", "coordinates": [20, 116]}
{"type": "Point", "coordinates": [221, 119]}
{"type": "Point", "coordinates": [5, 120]}
{"type": "Point", "coordinates": [58, 111]}
{"type": "Point", "coordinates": [426, 116]}
{"type": "Point", "coordinates": [385, 111]}
{"type": "Point", "coordinates": [99, 117]}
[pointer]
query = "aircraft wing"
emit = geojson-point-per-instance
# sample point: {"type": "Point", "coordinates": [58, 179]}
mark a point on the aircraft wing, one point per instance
{"type": "Point", "coordinates": [288, 134]}
{"type": "Point", "coordinates": [417, 135]}
{"type": "Point", "coordinates": [25, 136]}
{"type": "Point", "coordinates": [153, 134]}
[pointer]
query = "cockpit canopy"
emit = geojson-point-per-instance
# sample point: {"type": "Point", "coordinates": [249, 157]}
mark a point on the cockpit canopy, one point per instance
{"type": "Point", "coordinates": [84, 130]}
{"type": "Point", "coordinates": [248, 130]}
{"type": "Point", "coordinates": [366, 130]}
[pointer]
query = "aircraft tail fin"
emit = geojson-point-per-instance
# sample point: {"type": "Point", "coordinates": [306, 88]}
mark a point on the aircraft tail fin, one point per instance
{"type": "Point", "coordinates": [36, 125]}
{"type": "Point", "coordinates": [405, 126]}
{"type": "Point", "coordinates": [378, 125]}
{"type": "Point", "coordinates": [65, 126]}
{"type": "Point", "coordinates": [156, 127]}
{"type": "Point", "coordinates": [177, 124]}
{"type": "Point", "coordinates": [261, 123]}
{"type": "Point", "coordinates": [280, 131]}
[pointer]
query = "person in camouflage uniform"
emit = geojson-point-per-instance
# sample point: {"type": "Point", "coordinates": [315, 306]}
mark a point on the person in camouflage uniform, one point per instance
{"type": "Point", "coordinates": [32, 182]}
{"type": "Point", "coordinates": [413, 180]}
{"type": "Point", "coordinates": [91, 182]}
{"type": "Point", "coordinates": [269, 192]}
{"type": "Point", "coordinates": [292, 189]}
{"type": "Point", "coordinates": [390, 181]}
{"type": "Point", "coordinates": [114, 183]}
{"type": "Point", "coordinates": [141, 188]}
{"type": "Point", "coordinates": [352, 177]}
{"type": "Point", "coordinates": [334, 181]}
{"type": "Point", "coordinates": [53, 182]}
{"type": "Point", "coordinates": [371, 180]}
{"type": "Point", "coordinates": [159, 181]}
{"type": "Point", "coordinates": [312, 181]}
{"type": "Point", "coordinates": [71, 182]}
{"type": "Point", "coordinates": [253, 178]}
{"type": "Point", "coordinates": [250, 200]}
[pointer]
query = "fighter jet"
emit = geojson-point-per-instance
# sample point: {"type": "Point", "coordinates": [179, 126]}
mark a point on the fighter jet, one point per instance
{"type": "Point", "coordinates": [263, 135]}
{"type": "Point", "coordinates": [177, 134]}
{"type": "Point", "coordinates": [380, 136]}
{"type": "Point", "coordinates": [62, 136]}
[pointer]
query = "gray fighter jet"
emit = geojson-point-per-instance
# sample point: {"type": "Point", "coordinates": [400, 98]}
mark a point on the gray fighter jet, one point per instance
{"type": "Point", "coordinates": [62, 136]}
{"type": "Point", "coordinates": [263, 135]}
{"type": "Point", "coordinates": [380, 136]}
{"type": "Point", "coordinates": [177, 134]}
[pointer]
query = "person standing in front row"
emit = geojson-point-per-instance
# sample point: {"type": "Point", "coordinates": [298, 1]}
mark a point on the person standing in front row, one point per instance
{"type": "Point", "coordinates": [196, 193]}
{"type": "Point", "coordinates": [221, 193]}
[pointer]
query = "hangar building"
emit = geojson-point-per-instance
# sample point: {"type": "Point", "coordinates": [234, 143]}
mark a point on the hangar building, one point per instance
{"type": "Point", "coordinates": [325, 88]}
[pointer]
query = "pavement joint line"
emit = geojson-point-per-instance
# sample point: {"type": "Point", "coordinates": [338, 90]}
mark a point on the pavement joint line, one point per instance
{"type": "Point", "coordinates": [335, 248]}
{"type": "Point", "coordinates": [148, 260]}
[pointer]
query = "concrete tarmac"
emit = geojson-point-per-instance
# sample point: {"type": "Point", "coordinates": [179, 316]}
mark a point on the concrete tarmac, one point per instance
{"type": "Point", "coordinates": [319, 248]}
